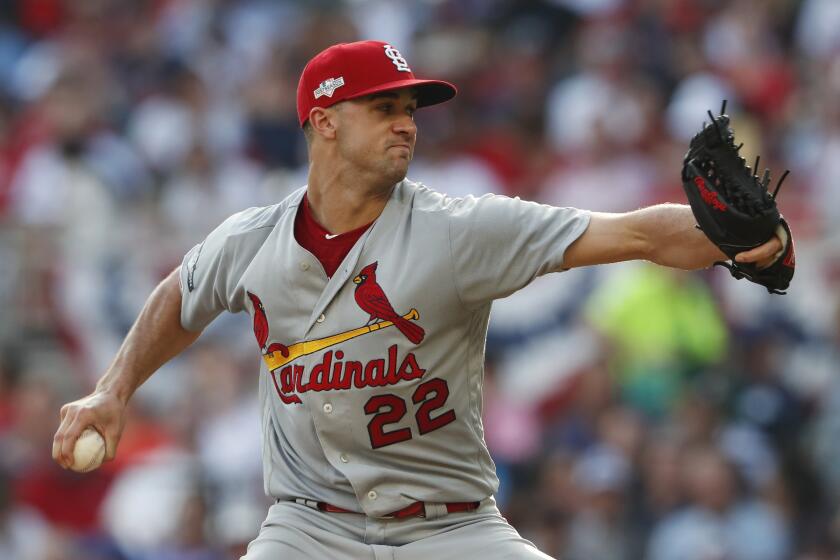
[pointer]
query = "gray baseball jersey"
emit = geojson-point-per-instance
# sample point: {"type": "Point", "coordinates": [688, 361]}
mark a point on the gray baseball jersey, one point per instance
{"type": "Point", "coordinates": [371, 380]}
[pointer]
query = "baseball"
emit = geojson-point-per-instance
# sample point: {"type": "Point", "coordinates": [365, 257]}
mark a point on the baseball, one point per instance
{"type": "Point", "coordinates": [89, 451]}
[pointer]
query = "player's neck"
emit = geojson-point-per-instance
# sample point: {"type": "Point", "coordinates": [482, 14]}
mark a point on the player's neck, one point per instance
{"type": "Point", "coordinates": [341, 205]}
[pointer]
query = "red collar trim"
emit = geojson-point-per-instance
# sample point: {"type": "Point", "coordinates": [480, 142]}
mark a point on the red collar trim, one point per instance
{"type": "Point", "coordinates": [321, 232]}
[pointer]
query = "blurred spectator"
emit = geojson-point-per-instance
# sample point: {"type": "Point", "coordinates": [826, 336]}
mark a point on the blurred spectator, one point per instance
{"type": "Point", "coordinates": [599, 528]}
{"type": "Point", "coordinates": [825, 446]}
{"type": "Point", "coordinates": [24, 535]}
{"type": "Point", "coordinates": [818, 28]}
{"type": "Point", "coordinates": [717, 521]}
{"type": "Point", "coordinates": [151, 508]}
{"type": "Point", "coordinates": [660, 492]}
{"type": "Point", "coordinates": [46, 382]}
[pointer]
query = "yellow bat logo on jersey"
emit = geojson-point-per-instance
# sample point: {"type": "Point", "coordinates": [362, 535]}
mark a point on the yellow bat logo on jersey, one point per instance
{"type": "Point", "coordinates": [277, 359]}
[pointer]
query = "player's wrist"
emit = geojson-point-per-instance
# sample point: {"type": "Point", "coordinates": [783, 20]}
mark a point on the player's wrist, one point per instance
{"type": "Point", "coordinates": [115, 389]}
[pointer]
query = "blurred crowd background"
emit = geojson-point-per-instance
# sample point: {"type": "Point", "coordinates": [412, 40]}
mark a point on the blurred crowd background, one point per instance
{"type": "Point", "coordinates": [634, 412]}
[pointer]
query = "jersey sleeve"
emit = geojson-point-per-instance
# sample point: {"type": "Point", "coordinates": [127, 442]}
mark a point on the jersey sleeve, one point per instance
{"type": "Point", "coordinates": [210, 271]}
{"type": "Point", "coordinates": [500, 244]}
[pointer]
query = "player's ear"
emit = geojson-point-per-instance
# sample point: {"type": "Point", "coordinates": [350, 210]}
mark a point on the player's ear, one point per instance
{"type": "Point", "coordinates": [323, 122]}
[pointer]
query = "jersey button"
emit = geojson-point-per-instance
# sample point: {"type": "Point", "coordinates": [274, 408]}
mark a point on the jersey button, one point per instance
{"type": "Point", "coordinates": [321, 318]}
{"type": "Point", "coordinates": [343, 458]}
{"type": "Point", "coordinates": [328, 408]}
{"type": "Point", "coordinates": [304, 266]}
{"type": "Point", "coordinates": [372, 495]}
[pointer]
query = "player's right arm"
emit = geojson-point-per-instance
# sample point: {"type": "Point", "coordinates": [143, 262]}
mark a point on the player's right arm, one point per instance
{"type": "Point", "coordinates": [155, 338]}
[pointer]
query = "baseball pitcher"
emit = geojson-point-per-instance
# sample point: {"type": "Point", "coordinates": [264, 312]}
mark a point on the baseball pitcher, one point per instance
{"type": "Point", "coordinates": [370, 296]}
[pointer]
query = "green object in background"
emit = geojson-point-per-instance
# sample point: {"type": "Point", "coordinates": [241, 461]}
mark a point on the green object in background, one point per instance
{"type": "Point", "coordinates": [652, 390]}
{"type": "Point", "coordinates": [661, 323]}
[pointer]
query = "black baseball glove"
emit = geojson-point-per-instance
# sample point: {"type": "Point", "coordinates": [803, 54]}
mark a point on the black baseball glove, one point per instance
{"type": "Point", "coordinates": [732, 205]}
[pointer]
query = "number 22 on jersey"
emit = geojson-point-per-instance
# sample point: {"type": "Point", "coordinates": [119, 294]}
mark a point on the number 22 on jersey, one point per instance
{"type": "Point", "coordinates": [390, 409]}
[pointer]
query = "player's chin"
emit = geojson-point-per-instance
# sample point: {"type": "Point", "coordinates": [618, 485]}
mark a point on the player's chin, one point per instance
{"type": "Point", "coordinates": [397, 177]}
{"type": "Point", "coordinates": [397, 170]}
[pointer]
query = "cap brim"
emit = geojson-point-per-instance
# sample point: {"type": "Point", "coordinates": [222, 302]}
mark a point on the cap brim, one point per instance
{"type": "Point", "coordinates": [429, 92]}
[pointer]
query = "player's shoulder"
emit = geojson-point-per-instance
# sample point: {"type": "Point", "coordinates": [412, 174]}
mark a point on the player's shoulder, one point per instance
{"type": "Point", "coordinates": [258, 221]}
{"type": "Point", "coordinates": [465, 209]}
{"type": "Point", "coordinates": [423, 198]}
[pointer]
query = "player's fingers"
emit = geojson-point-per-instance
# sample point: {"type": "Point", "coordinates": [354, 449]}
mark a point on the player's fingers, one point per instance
{"type": "Point", "coordinates": [75, 427]}
{"type": "Point", "coordinates": [62, 444]}
{"type": "Point", "coordinates": [55, 447]}
{"type": "Point", "coordinates": [112, 440]}
{"type": "Point", "coordinates": [760, 253]}
{"type": "Point", "coordinates": [60, 436]}
{"type": "Point", "coordinates": [75, 417]}
{"type": "Point", "coordinates": [749, 256]}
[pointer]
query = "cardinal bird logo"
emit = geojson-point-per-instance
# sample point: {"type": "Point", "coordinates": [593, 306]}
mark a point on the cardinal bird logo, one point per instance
{"type": "Point", "coordinates": [372, 299]}
{"type": "Point", "coordinates": [261, 328]}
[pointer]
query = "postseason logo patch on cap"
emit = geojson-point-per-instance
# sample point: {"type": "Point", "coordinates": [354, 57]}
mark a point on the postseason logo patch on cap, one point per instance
{"type": "Point", "coordinates": [329, 86]}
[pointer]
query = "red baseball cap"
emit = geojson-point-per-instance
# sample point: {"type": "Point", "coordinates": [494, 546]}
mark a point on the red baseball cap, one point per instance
{"type": "Point", "coordinates": [350, 70]}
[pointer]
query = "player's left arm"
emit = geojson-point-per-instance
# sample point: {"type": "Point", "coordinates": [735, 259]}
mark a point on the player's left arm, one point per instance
{"type": "Point", "coordinates": [665, 234]}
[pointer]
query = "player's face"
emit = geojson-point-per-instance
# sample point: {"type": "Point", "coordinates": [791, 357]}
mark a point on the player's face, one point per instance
{"type": "Point", "coordinates": [377, 133]}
